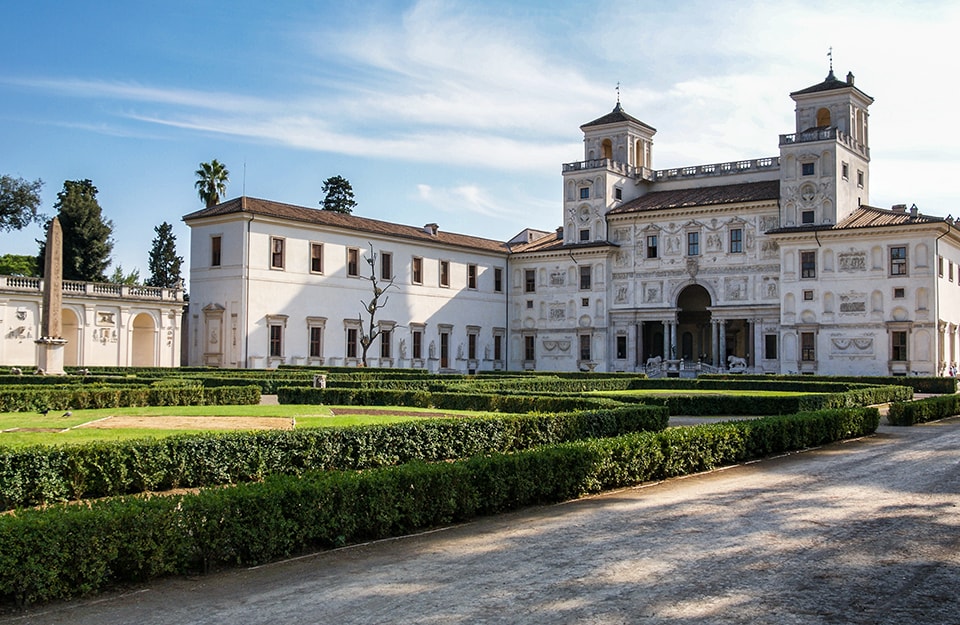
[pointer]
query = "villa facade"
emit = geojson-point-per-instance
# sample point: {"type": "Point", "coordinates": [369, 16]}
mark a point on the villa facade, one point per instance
{"type": "Point", "coordinates": [776, 264]}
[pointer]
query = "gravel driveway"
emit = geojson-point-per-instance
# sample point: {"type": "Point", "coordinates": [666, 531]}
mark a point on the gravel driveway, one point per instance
{"type": "Point", "coordinates": [861, 532]}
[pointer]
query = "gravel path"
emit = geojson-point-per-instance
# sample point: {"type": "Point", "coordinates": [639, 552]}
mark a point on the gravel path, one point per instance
{"type": "Point", "coordinates": [864, 532]}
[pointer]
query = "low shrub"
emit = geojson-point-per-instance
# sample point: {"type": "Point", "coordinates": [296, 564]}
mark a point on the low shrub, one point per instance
{"type": "Point", "coordinates": [21, 399]}
{"type": "Point", "coordinates": [69, 550]}
{"type": "Point", "coordinates": [923, 410]}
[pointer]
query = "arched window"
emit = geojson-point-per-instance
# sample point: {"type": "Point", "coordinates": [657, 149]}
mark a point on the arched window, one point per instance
{"type": "Point", "coordinates": [607, 149]}
{"type": "Point", "coordinates": [823, 117]}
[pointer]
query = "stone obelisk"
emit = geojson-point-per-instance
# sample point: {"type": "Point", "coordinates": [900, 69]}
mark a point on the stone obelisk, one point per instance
{"type": "Point", "coordinates": [51, 341]}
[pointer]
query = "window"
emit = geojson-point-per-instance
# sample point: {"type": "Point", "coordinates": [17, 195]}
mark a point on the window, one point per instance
{"type": "Point", "coordinates": [693, 243]}
{"type": "Point", "coordinates": [471, 276]}
{"type": "Point", "coordinates": [215, 251]}
{"type": "Point", "coordinates": [352, 336]}
{"type": "Point", "coordinates": [808, 296]}
{"type": "Point", "coordinates": [808, 264]}
{"type": "Point", "coordinates": [444, 273]}
{"type": "Point", "coordinates": [651, 246]}
{"type": "Point", "coordinates": [417, 339]}
{"type": "Point", "coordinates": [585, 302]}
{"type": "Point", "coordinates": [940, 266]}
{"type": "Point", "coordinates": [621, 347]}
{"type": "Point", "coordinates": [276, 253]}
{"type": "Point", "coordinates": [899, 293]}
{"type": "Point", "coordinates": [316, 342]}
{"type": "Point", "coordinates": [353, 261]}
{"type": "Point", "coordinates": [385, 337]}
{"type": "Point", "coordinates": [808, 350]}
{"type": "Point", "coordinates": [529, 281]}
{"type": "Point", "coordinates": [845, 171]}
{"type": "Point", "coordinates": [584, 235]}
{"type": "Point", "coordinates": [529, 353]}
{"type": "Point", "coordinates": [807, 169]}
{"type": "Point", "coordinates": [898, 346]}
{"type": "Point", "coordinates": [807, 217]}
{"type": "Point", "coordinates": [736, 241]}
{"type": "Point", "coordinates": [585, 271]}
{"type": "Point", "coordinates": [416, 270]}
{"type": "Point", "coordinates": [444, 350]}
{"type": "Point", "coordinates": [386, 266]}
{"type": "Point", "coordinates": [472, 346]}
{"type": "Point", "coordinates": [276, 341]}
{"type": "Point", "coordinates": [859, 178]}
{"type": "Point", "coordinates": [584, 347]}
{"type": "Point", "coordinates": [898, 261]}
{"type": "Point", "coordinates": [497, 347]}
{"type": "Point", "coordinates": [618, 193]}
{"type": "Point", "coordinates": [529, 304]}
{"type": "Point", "coordinates": [950, 270]}
{"type": "Point", "coordinates": [497, 280]}
{"type": "Point", "coordinates": [316, 258]}
{"type": "Point", "coordinates": [584, 193]}
{"type": "Point", "coordinates": [770, 346]}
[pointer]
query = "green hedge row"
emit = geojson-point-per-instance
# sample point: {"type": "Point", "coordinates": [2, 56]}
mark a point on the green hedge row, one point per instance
{"type": "Point", "coordinates": [919, 384]}
{"type": "Point", "coordinates": [69, 550]}
{"type": "Point", "coordinates": [923, 410]}
{"type": "Point", "coordinates": [487, 402]}
{"type": "Point", "coordinates": [42, 475]}
{"type": "Point", "coordinates": [13, 399]}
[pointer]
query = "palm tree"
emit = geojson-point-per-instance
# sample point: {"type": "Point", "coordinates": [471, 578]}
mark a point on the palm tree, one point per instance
{"type": "Point", "coordinates": [212, 180]}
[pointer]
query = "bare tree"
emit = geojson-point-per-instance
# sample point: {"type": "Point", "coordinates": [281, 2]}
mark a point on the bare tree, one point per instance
{"type": "Point", "coordinates": [378, 301]}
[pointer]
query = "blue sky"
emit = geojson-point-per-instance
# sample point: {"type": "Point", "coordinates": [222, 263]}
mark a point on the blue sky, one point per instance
{"type": "Point", "coordinates": [459, 113]}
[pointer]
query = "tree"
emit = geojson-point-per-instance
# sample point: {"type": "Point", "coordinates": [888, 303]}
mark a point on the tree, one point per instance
{"type": "Point", "coordinates": [373, 330]}
{"type": "Point", "coordinates": [338, 195]}
{"type": "Point", "coordinates": [164, 262]}
{"type": "Point", "coordinates": [212, 181]}
{"type": "Point", "coordinates": [19, 265]}
{"type": "Point", "coordinates": [19, 201]}
{"type": "Point", "coordinates": [86, 235]}
{"type": "Point", "coordinates": [119, 277]}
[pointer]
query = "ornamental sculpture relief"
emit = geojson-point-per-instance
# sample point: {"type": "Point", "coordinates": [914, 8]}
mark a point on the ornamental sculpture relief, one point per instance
{"type": "Point", "coordinates": [852, 261]}
{"type": "Point", "coordinates": [853, 304]}
{"type": "Point", "coordinates": [852, 346]}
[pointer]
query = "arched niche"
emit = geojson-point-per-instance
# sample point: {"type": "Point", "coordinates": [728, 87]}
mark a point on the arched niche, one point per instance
{"type": "Point", "coordinates": [144, 344]}
{"type": "Point", "coordinates": [823, 117]}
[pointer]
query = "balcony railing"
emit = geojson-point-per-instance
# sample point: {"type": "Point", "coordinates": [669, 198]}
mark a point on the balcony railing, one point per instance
{"type": "Point", "coordinates": [825, 134]}
{"type": "Point", "coordinates": [718, 169]}
{"type": "Point", "coordinates": [94, 289]}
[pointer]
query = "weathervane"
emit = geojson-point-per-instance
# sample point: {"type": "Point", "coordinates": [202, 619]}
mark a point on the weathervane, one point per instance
{"type": "Point", "coordinates": [830, 56]}
{"type": "Point", "coordinates": [618, 92]}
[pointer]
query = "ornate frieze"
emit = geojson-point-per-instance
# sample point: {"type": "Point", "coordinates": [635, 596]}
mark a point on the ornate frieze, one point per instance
{"type": "Point", "coordinates": [853, 303]}
{"type": "Point", "coordinates": [852, 261]}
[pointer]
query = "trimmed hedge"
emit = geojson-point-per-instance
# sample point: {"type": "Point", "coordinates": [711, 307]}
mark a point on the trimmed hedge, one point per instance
{"type": "Point", "coordinates": [919, 384]}
{"type": "Point", "coordinates": [923, 410]}
{"type": "Point", "coordinates": [68, 550]}
{"type": "Point", "coordinates": [43, 475]}
{"type": "Point", "coordinates": [13, 399]}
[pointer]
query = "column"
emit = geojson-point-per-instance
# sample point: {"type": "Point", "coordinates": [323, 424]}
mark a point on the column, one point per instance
{"type": "Point", "coordinates": [666, 340]}
{"type": "Point", "coordinates": [674, 353]}
{"type": "Point", "coordinates": [722, 353]}
{"type": "Point", "coordinates": [715, 342]}
{"type": "Point", "coordinates": [757, 342]}
{"type": "Point", "coordinates": [637, 344]}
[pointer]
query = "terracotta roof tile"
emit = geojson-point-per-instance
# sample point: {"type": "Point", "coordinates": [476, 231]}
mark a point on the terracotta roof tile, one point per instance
{"type": "Point", "coordinates": [865, 217]}
{"type": "Point", "coordinates": [702, 196]}
{"type": "Point", "coordinates": [268, 208]}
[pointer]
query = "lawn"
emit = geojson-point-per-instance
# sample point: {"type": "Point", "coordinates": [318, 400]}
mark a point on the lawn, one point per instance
{"type": "Point", "coordinates": [18, 429]}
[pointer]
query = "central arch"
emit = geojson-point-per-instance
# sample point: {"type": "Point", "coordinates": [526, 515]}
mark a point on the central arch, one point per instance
{"type": "Point", "coordinates": [693, 324]}
{"type": "Point", "coordinates": [144, 341]}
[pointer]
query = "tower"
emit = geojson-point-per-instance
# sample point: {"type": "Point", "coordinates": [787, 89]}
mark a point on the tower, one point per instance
{"type": "Point", "coordinates": [825, 163]}
{"type": "Point", "coordinates": [618, 154]}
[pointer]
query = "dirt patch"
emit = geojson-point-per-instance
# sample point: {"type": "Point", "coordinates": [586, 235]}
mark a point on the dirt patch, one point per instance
{"type": "Point", "coordinates": [192, 423]}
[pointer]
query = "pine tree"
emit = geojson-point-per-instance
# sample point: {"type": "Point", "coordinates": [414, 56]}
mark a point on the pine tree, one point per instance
{"type": "Point", "coordinates": [338, 195]}
{"type": "Point", "coordinates": [86, 235]}
{"type": "Point", "coordinates": [164, 262]}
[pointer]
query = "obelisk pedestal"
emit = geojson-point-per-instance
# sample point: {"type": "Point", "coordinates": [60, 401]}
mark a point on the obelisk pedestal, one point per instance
{"type": "Point", "coordinates": [51, 341]}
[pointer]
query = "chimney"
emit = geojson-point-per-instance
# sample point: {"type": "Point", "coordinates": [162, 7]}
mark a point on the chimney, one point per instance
{"type": "Point", "coordinates": [431, 229]}
{"type": "Point", "coordinates": [560, 232]}
{"type": "Point", "coordinates": [850, 78]}
{"type": "Point", "coordinates": [899, 208]}
{"type": "Point", "coordinates": [913, 211]}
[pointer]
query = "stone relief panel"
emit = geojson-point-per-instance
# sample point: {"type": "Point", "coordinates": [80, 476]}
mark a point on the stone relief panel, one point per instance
{"type": "Point", "coordinates": [735, 289]}
{"type": "Point", "coordinates": [558, 312]}
{"type": "Point", "coordinates": [621, 292]}
{"type": "Point", "coordinates": [714, 242]}
{"type": "Point", "coordinates": [852, 261]}
{"type": "Point", "coordinates": [622, 258]}
{"type": "Point", "coordinates": [557, 277]}
{"type": "Point", "coordinates": [769, 289]}
{"type": "Point", "coordinates": [853, 304]}
{"type": "Point", "coordinates": [652, 292]}
{"type": "Point", "coordinates": [769, 249]}
{"type": "Point", "coordinates": [769, 222]}
{"type": "Point", "coordinates": [851, 346]}
{"type": "Point", "coordinates": [622, 235]}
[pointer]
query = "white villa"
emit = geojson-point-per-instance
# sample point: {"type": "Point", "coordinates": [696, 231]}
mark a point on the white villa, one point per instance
{"type": "Point", "coordinates": [776, 264]}
{"type": "Point", "coordinates": [105, 325]}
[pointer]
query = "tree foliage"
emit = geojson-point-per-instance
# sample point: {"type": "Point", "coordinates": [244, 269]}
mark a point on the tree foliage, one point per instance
{"type": "Point", "coordinates": [86, 235]}
{"type": "Point", "coordinates": [211, 182]}
{"type": "Point", "coordinates": [119, 277]}
{"type": "Point", "coordinates": [338, 195]}
{"type": "Point", "coordinates": [19, 265]}
{"type": "Point", "coordinates": [164, 262]}
{"type": "Point", "coordinates": [19, 202]}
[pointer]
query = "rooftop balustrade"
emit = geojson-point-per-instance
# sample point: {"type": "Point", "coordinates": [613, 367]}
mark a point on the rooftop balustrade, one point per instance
{"type": "Point", "coordinates": [25, 284]}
